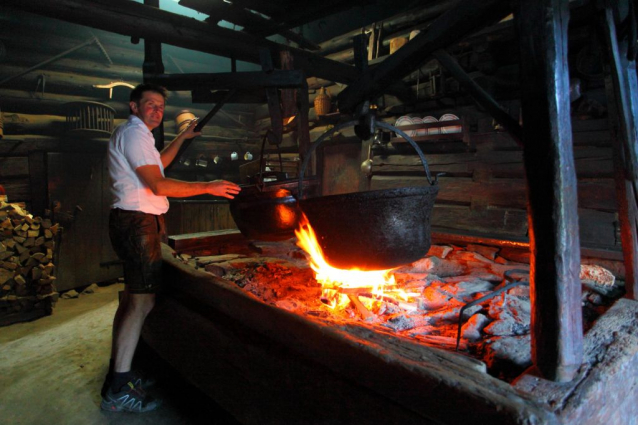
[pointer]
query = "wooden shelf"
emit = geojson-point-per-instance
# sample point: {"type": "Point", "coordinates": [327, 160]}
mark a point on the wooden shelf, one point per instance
{"type": "Point", "coordinates": [462, 135]}
{"type": "Point", "coordinates": [430, 138]}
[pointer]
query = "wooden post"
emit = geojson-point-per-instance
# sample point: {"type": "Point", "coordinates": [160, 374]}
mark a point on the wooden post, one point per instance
{"type": "Point", "coordinates": [38, 182]}
{"type": "Point", "coordinates": [622, 95]}
{"type": "Point", "coordinates": [303, 125]}
{"type": "Point", "coordinates": [153, 65]}
{"type": "Point", "coordinates": [272, 94]}
{"type": "Point", "coordinates": [557, 330]}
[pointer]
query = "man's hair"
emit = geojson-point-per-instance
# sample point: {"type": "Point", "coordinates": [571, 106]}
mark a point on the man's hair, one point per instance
{"type": "Point", "coordinates": [138, 92]}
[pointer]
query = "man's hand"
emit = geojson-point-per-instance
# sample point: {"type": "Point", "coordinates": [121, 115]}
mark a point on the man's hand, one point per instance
{"type": "Point", "coordinates": [170, 151]}
{"type": "Point", "coordinates": [189, 132]}
{"type": "Point", "coordinates": [223, 188]}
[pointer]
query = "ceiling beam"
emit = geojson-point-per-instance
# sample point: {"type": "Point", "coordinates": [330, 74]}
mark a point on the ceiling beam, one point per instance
{"type": "Point", "coordinates": [230, 80]}
{"type": "Point", "coordinates": [461, 20]}
{"type": "Point", "coordinates": [302, 14]}
{"type": "Point", "coordinates": [237, 15]}
{"type": "Point", "coordinates": [133, 19]}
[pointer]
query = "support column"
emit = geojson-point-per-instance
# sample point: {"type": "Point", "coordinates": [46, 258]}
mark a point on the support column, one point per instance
{"type": "Point", "coordinates": [153, 65]}
{"type": "Point", "coordinates": [557, 330]}
{"type": "Point", "coordinates": [622, 95]}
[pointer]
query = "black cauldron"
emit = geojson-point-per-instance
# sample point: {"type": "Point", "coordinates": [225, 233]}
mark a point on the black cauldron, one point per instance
{"type": "Point", "coordinates": [267, 212]}
{"type": "Point", "coordinates": [371, 230]}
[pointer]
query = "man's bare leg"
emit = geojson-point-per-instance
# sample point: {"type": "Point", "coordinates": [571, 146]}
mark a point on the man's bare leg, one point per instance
{"type": "Point", "coordinates": [127, 327]}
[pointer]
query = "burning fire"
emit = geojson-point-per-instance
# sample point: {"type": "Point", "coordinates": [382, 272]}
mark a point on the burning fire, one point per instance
{"type": "Point", "coordinates": [338, 284]}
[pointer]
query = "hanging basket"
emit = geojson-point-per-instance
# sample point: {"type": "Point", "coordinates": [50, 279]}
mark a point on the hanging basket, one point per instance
{"type": "Point", "coordinates": [322, 102]}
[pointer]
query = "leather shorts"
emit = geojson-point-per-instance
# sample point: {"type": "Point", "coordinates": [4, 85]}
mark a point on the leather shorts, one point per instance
{"type": "Point", "coordinates": [136, 239]}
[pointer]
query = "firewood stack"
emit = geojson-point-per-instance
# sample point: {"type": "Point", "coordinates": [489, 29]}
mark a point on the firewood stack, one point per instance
{"type": "Point", "coordinates": [27, 281]}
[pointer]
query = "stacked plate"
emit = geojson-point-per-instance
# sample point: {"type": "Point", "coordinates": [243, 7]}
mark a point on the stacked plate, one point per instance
{"type": "Point", "coordinates": [430, 119]}
{"type": "Point", "coordinates": [407, 120]}
{"type": "Point", "coordinates": [452, 128]}
{"type": "Point", "coordinates": [404, 121]}
{"type": "Point", "coordinates": [419, 132]}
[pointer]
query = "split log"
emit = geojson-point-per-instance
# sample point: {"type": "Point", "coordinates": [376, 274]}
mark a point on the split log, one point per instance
{"type": "Point", "coordinates": [27, 267]}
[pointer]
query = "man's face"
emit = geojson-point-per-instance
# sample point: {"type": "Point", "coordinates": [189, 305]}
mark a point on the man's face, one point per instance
{"type": "Point", "coordinates": [150, 109]}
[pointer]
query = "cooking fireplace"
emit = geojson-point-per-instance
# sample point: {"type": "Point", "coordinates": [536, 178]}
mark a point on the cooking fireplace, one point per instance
{"type": "Point", "coordinates": [254, 325]}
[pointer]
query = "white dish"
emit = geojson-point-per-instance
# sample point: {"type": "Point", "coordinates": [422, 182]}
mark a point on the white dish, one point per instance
{"type": "Point", "coordinates": [430, 119]}
{"type": "Point", "coordinates": [404, 121]}
{"type": "Point", "coordinates": [419, 132]}
{"type": "Point", "coordinates": [452, 128]}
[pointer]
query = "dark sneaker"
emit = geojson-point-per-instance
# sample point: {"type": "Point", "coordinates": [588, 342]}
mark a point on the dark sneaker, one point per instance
{"type": "Point", "coordinates": [142, 381]}
{"type": "Point", "coordinates": [130, 398]}
{"type": "Point", "coordinates": [138, 380]}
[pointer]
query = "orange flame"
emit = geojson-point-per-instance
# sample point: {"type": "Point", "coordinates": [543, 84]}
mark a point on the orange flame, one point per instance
{"type": "Point", "coordinates": [333, 279]}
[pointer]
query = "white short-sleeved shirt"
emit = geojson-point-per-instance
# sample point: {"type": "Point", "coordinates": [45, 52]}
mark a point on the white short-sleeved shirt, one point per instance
{"type": "Point", "coordinates": [131, 146]}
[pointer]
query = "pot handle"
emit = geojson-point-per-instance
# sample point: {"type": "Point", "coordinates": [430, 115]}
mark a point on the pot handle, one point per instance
{"type": "Point", "coordinates": [377, 124]}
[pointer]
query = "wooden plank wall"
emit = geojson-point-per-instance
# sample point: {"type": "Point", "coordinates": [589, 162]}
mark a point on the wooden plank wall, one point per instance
{"type": "Point", "coordinates": [483, 191]}
{"type": "Point", "coordinates": [193, 217]}
{"type": "Point", "coordinates": [14, 177]}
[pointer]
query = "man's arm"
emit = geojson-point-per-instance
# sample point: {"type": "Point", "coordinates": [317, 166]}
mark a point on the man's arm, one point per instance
{"type": "Point", "coordinates": [170, 151]}
{"type": "Point", "coordinates": [162, 186]}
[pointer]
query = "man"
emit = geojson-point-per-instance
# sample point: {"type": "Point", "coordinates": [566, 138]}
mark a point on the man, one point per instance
{"type": "Point", "coordinates": [136, 228]}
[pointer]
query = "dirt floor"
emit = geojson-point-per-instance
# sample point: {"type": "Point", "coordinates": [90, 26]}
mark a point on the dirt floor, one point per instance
{"type": "Point", "coordinates": [52, 369]}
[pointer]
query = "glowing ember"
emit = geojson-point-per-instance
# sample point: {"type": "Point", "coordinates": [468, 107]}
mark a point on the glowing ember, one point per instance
{"type": "Point", "coordinates": [336, 282]}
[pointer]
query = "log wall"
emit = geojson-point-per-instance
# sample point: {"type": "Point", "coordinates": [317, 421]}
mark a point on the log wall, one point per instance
{"type": "Point", "coordinates": [482, 189]}
{"type": "Point", "coordinates": [41, 162]}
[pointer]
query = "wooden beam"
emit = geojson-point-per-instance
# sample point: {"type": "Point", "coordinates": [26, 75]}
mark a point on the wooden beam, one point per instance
{"type": "Point", "coordinates": [137, 20]}
{"type": "Point", "coordinates": [232, 13]}
{"type": "Point", "coordinates": [461, 20]}
{"type": "Point", "coordinates": [299, 15]}
{"type": "Point", "coordinates": [557, 330]}
{"type": "Point", "coordinates": [152, 65]}
{"type": "Point", "coordinates": [38, 182]}
{"type": "Point", "coordinates": [303, 127]}
{"type": "Point", "coordinates": [622, 92]}
{"type": "Point", "coordinates": [393, 24]}
{"type": "Point", "coordinates": [248, 96]}
{"type": "Point", "coordinates": [272, 94]}
{"type": "Point", "coordinates": [230, 80]}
